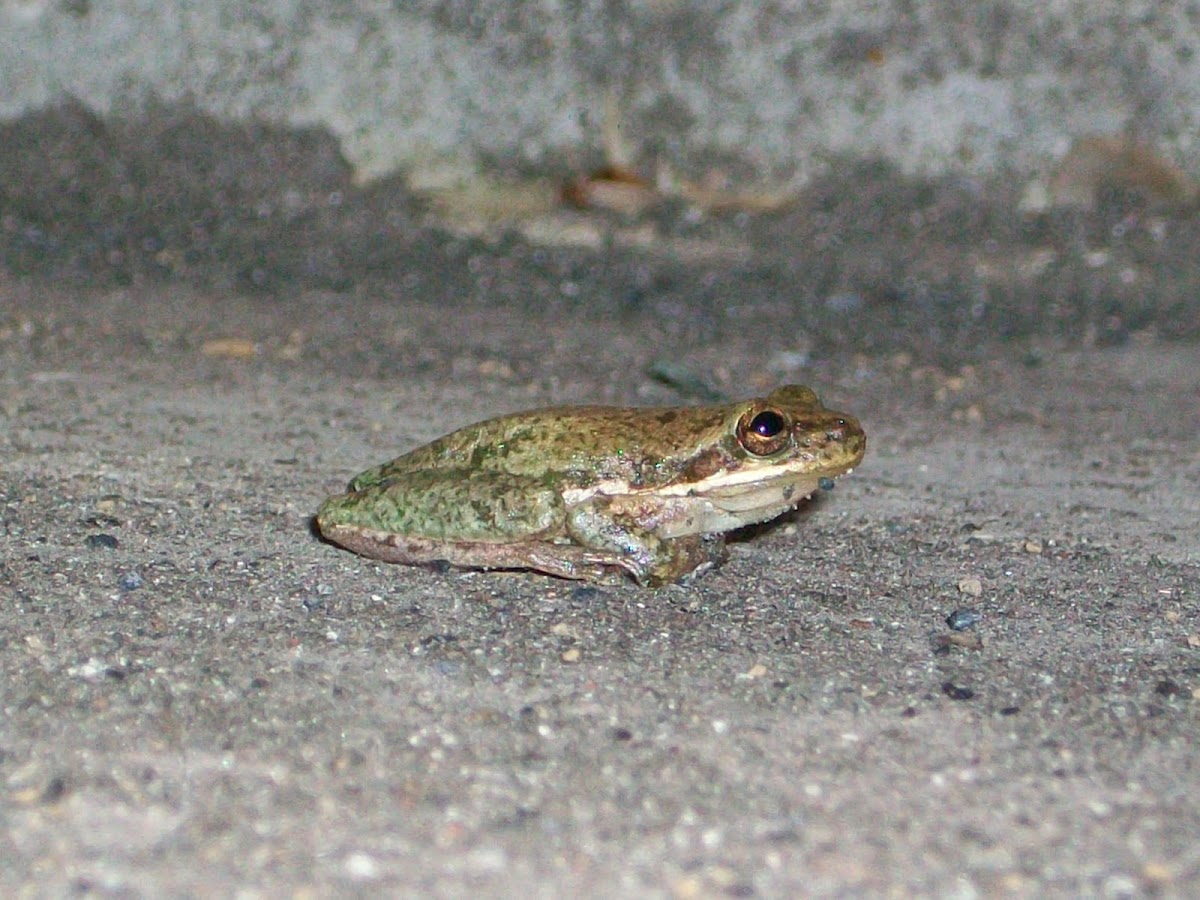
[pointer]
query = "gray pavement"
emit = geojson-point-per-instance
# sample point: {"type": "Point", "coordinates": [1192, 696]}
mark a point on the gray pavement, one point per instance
{"type": "Point", "coordinates": [197, 697]}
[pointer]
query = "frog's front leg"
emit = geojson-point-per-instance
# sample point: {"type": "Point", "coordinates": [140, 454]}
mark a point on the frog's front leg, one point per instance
{"type": "Point", "coordinates": [612, 529]}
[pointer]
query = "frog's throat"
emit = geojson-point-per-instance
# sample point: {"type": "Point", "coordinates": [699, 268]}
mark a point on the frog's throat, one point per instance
{"type": "Point", "coordinates": [720, 507]}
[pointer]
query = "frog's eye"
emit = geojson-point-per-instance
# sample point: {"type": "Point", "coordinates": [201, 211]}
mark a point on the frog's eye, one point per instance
{"type": "Point", "coordinates": [767, 423]}
{"type": "Point", "coordinates": [763, 433]}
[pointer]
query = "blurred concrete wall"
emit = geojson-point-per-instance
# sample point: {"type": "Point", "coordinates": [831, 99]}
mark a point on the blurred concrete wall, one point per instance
{"type": "Point", "coordinates": [771, 88]}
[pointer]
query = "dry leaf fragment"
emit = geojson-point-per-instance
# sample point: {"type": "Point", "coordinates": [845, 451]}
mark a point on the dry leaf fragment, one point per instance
{"type": "Point", "coordinates": [229, 348]}
{"type": "Point", "coordinates": [1119, 162]}
{"type": "Point", "coordinates": [614, 188]}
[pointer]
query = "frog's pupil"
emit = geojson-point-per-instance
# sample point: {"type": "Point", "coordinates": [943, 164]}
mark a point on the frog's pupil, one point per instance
{"type": "Point", "coordinates": [767, 424]}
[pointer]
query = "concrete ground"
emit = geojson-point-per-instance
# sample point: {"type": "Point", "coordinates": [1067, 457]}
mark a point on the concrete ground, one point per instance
{"type": "Point", "coordinates": [197, 696]}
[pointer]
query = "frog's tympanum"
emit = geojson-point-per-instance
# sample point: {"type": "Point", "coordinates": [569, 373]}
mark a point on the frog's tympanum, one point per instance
{"type": "Point", "coordinates": [588, 491]}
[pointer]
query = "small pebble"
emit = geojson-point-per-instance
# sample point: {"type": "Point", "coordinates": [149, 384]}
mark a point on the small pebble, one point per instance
{"type": "Point", "coordinates": [55, 790]}
{"type": "Point", "coordinates": [966, 640]}
{"type": "Point", "coordinates": [971, 586]}
{"type": "Point", "coordinates": [955, 692]}
{"type": "Point", "coordinates": [130, 581]}
{"type": "Point", "coordinates": [570, 656]}
{"type": "Point", "coordinates": [845, 302]}
{"type": "Point", "coordinates": [963, 619]}
{"type": "Point", "coordinates": [825, 484]}
{"type": "Point", "coordinates": [361, 867]}
{"type": "Point", "coordinates": [102, 541]}
{"type": "Point", "coordinates": [585, 595]}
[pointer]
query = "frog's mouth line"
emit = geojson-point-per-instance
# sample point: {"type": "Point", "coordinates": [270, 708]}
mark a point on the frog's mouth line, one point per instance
{"type": "Point", "coordinates": [729, 484]}
{"type": "Point", "coordinates": [750, 480]}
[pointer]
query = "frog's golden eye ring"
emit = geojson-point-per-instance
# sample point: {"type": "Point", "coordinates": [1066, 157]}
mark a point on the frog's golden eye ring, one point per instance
{"type": "Point", "coordinates": [763, 432]}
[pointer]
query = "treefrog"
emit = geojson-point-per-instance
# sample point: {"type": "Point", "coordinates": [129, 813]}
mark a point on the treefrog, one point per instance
{"type": "Point", "coordinates": [587, 492]}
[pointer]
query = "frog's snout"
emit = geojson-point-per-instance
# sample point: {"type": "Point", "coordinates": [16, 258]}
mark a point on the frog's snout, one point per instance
{"type": "Point", "coordinates": [837, 430]}
{"type": "Point", "coordinates": [838, 435]}
{"type": "Point", "coordinates": [848, 428]}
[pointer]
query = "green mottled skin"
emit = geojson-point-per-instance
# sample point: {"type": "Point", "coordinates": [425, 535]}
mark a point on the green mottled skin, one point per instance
{"type": "Point", "coordinates": [643, 447]}
{"type": "Point", "coordinates": [637, 486]}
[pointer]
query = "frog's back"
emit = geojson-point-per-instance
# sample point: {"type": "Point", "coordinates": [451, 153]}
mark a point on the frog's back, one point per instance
{"type": "Point", "coordinates": [580, 444]}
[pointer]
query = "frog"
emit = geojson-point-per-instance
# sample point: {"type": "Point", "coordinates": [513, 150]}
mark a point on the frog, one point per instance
{"type": "Point", "coordinates": [597, 493]}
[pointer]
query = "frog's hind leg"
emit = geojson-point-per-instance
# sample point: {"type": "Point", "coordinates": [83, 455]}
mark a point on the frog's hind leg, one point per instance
{"type": "Point", "coordinates": [562, 560]}
{"type": "Point", "coordinates": [551, 558]}
{"type": "Point", "coordinates": [487, 520]}
{"type": "Point", "coordinates": [447, 505]}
